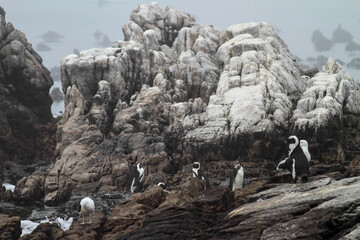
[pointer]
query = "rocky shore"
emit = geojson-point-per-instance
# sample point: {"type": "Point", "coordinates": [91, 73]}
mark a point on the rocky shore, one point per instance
{"type": "Point", "coordinates": [174, 92]}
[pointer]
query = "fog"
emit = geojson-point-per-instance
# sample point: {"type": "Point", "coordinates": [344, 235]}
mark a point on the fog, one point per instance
{"type": "Point", "coordinates": [313, 30]}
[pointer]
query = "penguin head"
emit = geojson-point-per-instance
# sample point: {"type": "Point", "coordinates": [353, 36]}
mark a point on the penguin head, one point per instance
{"type": "Point", "coordinates": [237, 167]}
{"type": "Point", "coordinates": [196, 165]}
{"type": "Point", "coordinates": [138, 166]}
{"type": "Point", "coordinates": [304, 144]}
{"type": "Point", "coordinates": [162, 185]}
{"type": "Point", "coordinates": [293, 141]}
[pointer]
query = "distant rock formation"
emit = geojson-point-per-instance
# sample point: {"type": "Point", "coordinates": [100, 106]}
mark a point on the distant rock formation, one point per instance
{"type": "Point", "coordinates": [341, 36]}
{"type": "Point", "coordinates": [57, 95]}
{"type": "Point", "coordinates": [26, 131]}
{"type": "Point", "coordinates": [321, 43]}
{"type": "Point", "coordinates": [175, 91]}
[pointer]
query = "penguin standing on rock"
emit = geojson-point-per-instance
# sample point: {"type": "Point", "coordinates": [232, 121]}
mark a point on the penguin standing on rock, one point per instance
{"type": "Point", "coordinates": [297, 162]}
{"type": "Point", "coordinates": [137, 177]}
{"type": "Point", "coordinates": [237, 178]}
{"type": "Point", "coordinates": [198, 173]}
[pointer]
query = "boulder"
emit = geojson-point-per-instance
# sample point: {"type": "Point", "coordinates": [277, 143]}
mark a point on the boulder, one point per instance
{"type": "Point", "coordinates": [9, 227]}
{"type": "Point", "coordinates": [29, 189]}
{"type": "Point", "coordinates": [45, 231]}
{"type": "Point", "coordinates": [27, 136]}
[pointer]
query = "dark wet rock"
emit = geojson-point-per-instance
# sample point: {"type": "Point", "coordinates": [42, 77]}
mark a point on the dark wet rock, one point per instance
{"type": "Point", "coordinates": [340, 35]}
{"type": "Point", "coordinates": [26, 131]}
{"type": "Point", "coordinates": [321, 43]}
{"type": "Point", "coordinates": [353, 169]}
{"type": "Point", "coordinates": [8, 196]}
{"type": "Point", "coordinates": [9, 227]}
{"type": "Point", "coordinates": [57, 95]}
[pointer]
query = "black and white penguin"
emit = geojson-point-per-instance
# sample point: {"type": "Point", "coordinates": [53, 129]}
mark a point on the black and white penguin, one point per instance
{"type": "Point", "coordinates": [237, 178]}
{"type": "Point", "coordinates": [305, 147]}
{"type": "Point", "coordinates": [163, 186]}
{"type": "Point", "coordinates": [137, 177]}
{"type": "Point", "coordinates": [296, 162]}
{"type": "Point", "coordinates": [198, 173]}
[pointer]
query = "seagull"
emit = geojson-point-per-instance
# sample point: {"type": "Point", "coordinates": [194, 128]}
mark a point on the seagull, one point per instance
{"type": "Point", "coordinates": [87, 208]}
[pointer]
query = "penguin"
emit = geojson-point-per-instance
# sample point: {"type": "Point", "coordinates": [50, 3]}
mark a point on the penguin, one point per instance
{"type": "Point", "coordinates": [137, 179]}
{"type": "Point", "coordinates": [198, 173]}
{"type": "Point", "coordinates": [296, 162]}
{"type": "Point", "coordinates": [305, 147]}
{"type": "Point", "coordinates": [87, 208]}
{"type": "Point", "coordinates": [293, 141]}
{"type": "Point", "coordinates": [163, 186]}
{"type": "Point", "coordinates": [237, 178]}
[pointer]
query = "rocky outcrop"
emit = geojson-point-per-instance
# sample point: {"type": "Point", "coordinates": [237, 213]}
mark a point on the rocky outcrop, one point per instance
{"type": "Point", "coordinates": [9, 227]}
{"type": "Point", "coordinates": [26, 132]}
{"type": "Point", "coordinates": [175, 91]}
{"type": "Point", "coordinates": [323, 208]}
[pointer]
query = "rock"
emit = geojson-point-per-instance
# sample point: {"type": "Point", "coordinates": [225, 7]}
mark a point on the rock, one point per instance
{"type": "Point", "coordinates": [88, 231]}
{"type": "Point", "coordinates": [26, 132]}
{"type": "Point", "coordinates": [45, 231]}
{"type": "Point", "coordinates": [129, 215]}
{"type": "Point", "coordinates": [175, 91]}
{"type": "Point", "coordinates": [321, 43]}
{"type": "Point", "coordinates": [9, 227]}
{"type": "Point", "coordinates": [353, 169]}
{"type": "Point", "coordinates": [186, 221]}
{"type": "Point", "coordinates": [8, 196]}
{"type": "Point", "coordinates": [331, 94]}
{"type": "Point", "coordinates": [323, 200]}
{"type": "Point", "coordinates": [341, 36]}
{"type": "Point", "coordinates": [57, 95]}
{"type": "Point", "coordinates": [29, 189]}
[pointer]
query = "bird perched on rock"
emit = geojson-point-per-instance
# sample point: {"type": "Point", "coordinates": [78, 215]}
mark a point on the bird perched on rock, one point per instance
{"type": "Point", "coordinates": [137, 177]}
{"type": "Point", "coordinates": [296, 162]}
{"type": "Point", "coordinates": [163, 186]}
{"type": "Point", "coordinates": [87, 208]}
{"type": "Point", "coordinates": [305, 147]}
{"type": "Point", "coordinates": [198, 173]}
{"type": "Point", "coordinates": [237, 178]}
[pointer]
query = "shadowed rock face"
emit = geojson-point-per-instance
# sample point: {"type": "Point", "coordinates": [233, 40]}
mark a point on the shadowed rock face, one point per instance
{"type": "Point", "coordinates": [175, 91]}
{"type": "Point", "coordinates": [26, 134]}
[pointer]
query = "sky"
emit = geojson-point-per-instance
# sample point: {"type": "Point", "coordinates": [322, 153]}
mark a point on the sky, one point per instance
{"type": "Point", "coordinates": [86, 24]}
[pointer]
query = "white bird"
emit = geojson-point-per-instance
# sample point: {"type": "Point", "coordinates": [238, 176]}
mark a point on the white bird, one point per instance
{"type": "Point", "coordinates": [305, 147]}
{"type": "Point", "coordinates": [87, 208]}
{"type": "Point", "coordinates": [237, 178]}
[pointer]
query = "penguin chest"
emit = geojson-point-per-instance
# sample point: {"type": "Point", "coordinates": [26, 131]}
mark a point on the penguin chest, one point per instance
{"type": "Point", "coordinates": [238, 181]}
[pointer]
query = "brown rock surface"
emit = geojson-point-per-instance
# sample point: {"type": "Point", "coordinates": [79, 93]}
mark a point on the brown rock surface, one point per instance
{"type": "Point", "coordinates": [9, 227]}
